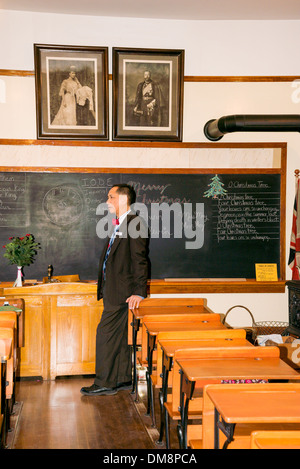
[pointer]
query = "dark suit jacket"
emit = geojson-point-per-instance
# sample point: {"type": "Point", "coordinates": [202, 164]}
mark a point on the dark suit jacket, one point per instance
{"type": "Point", "coordinates": [126, 266]}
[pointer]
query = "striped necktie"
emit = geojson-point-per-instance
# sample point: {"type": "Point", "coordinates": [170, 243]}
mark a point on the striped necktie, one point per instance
{"type": "Point", "coordinates": [109, 249]}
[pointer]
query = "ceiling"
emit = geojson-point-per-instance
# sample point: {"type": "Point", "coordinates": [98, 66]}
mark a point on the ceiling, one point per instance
{"type": "Point", "coordinates": [165, 9]}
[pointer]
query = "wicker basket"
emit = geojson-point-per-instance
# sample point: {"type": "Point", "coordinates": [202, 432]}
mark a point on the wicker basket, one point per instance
{"type": "Point", "coordinates": [262, 327]}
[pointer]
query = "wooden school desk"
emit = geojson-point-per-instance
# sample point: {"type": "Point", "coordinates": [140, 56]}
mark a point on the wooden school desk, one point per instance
{"type": "Point", "coordinates": [150, 306]}
{"type": "Point", "coordinates": [168, 349]}
{"type": "Point", "coordinates": [153, 326]}
{"type": "Point", "coordinates": [253, 404]}
{"type": "Point", "coordinates": [138, 314]}
{"type": "Point", "coordinates": [17, 305]}
{"type": "Point", "coordinates": [8, 329]}
{"type": "Point", "coordinates": [193, 370]}
{"type": "Point", "coordinates": [5, 355]}
{"type": "Point", "coordinates": [187, 323]}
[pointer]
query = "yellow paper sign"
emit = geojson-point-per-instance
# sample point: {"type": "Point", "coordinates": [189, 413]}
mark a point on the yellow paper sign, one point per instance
{"type": "Point", "coordinates": [266, 272]}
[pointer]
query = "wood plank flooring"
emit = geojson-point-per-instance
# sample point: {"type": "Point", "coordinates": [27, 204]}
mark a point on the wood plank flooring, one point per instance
{"type": "Point", "coordinates": [54, 415]}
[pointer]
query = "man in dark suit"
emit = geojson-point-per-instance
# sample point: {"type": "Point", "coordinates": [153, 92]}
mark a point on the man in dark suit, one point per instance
{"type": "Point", "coordinates": [122, 283]}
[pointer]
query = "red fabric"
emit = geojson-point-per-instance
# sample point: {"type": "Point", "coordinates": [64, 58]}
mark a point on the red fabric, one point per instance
{"type": "Point", "coordinates": [294, 259]}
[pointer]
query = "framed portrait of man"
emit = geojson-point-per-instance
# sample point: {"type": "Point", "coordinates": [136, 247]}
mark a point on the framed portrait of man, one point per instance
{"type": "Point", "coordinates": [147, 94]}
{"type": "Point", "coordinates": [71, 92]}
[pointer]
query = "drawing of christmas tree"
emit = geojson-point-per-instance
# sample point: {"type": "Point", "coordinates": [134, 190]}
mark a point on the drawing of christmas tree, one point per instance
{"type": "Point", "coordinates": [215, 188]}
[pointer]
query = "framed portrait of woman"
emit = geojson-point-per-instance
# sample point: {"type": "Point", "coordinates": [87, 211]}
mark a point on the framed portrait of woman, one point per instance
{"type": "Point", "coordinates": [147, 94]}
{"type": "Point", "coordinates": [71, 92]}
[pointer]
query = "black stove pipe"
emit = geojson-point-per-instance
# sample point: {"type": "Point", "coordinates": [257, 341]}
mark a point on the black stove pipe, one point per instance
{"type": "Point", "coordinates": [215, 129]}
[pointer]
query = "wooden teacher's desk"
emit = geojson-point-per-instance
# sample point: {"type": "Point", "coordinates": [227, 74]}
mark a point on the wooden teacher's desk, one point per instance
{"type": "Point", "coordinates": [60, 328]}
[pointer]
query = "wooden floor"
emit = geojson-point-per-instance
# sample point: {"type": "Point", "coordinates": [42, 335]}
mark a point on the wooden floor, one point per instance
{"type": "Point", "coordinates": [54, 415]}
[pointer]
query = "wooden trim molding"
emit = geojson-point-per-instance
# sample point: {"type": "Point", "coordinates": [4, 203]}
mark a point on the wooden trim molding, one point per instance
{"type": "Point", "coordinates": [17, 73]}
{"type": "Point", "coordinates": [188, 78]}
{"type": "Point", "coordinates": [99, 143]}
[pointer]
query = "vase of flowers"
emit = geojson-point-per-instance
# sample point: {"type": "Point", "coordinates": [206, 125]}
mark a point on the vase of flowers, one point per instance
{"type": "Point", "coordinates": [21, 251]}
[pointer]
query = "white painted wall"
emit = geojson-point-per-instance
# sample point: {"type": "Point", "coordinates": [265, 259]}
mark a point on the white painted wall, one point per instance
{"type": "Point", "coordinates": [213, 48]}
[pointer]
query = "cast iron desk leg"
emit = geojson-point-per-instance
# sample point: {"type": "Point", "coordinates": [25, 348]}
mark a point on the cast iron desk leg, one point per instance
{"type": "Point", "coordinates": [226, 428]}
{"type": "Point", "coordinates": [151, 340]}
{"type": "Point", "coordinates": [186, 393]}
{"type": "Point", "coordinates": [135, 327]}
{"type": "Point", "coordinates": [167, 365]}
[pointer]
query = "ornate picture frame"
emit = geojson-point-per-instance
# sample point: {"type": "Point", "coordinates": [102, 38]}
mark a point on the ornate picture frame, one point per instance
{"type": "Point", "coordinates": [71, 92]}
{"type": "Point", "coordinates": [148, 94]}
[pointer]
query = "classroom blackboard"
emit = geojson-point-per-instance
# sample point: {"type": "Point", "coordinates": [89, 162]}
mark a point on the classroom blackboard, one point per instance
{"type": "Point", "coordinates": [220, 223]}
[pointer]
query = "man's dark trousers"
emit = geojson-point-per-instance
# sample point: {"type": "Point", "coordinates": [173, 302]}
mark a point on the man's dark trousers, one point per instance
{"type": "Point", "coordinates": [113, 354]}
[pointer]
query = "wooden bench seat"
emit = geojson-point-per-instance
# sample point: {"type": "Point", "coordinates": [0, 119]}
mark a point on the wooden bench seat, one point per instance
{"type": "Point", "coordinates": [270, 436]}
{"type": "Point", "coordinates": [275, 440]}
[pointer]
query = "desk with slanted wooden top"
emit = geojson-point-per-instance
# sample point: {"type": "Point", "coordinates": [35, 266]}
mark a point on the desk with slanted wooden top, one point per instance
{"type": "Point", "coordinates": [168, 349]}
{"type": "Point", "coordinates": [256, 366]}
{"type": "Point", "coordinates": [17, 305]}
{"type": "Point", "coordinates": [155, 307]}
{"type": "Point", "coordinates": [152, 326]}
{"type": "Point", "coordinates": [8, 329]}
{"type": "Point", "coordinates": [253, 404]}
{"type": "Point", "coordinates": [5, 355]}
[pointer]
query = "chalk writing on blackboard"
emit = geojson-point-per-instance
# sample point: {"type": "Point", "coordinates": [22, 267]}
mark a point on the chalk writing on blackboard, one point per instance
{"type": "Point", "coordinates": [63, 205]}
{"type": "Point", "coordinates": [249, 214]}
{"type": "Point", "coordinates": [13, 200]}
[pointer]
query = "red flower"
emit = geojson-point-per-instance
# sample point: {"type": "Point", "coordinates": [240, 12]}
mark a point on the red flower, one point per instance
{"type": "Point", "coordinates": [4, 246]}
{"type": "Point", "coordinates": [28, 234]}
{"type": "Point", "coordinates": [21, 238]}
{"type": "Point", "coordinates": [11, 237]}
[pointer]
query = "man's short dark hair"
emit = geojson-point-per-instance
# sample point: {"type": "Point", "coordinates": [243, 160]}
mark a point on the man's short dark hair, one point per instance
{"type": "Point", "coordinates": [126, 190]}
